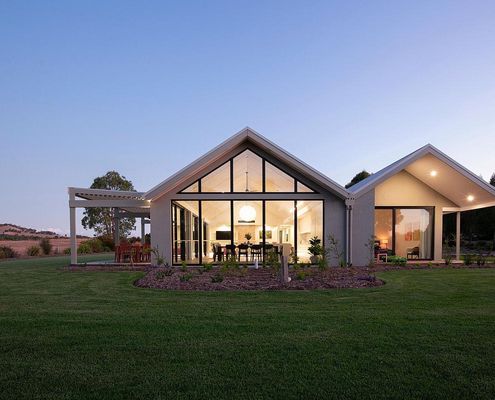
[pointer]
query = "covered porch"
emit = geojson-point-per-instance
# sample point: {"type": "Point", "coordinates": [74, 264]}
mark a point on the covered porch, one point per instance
{"type": "Point", "coordinates": [124, 204]}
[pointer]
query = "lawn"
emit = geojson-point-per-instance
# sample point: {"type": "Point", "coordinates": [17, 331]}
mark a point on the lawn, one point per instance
{"type": "Point", "coordinates": [93, 335]}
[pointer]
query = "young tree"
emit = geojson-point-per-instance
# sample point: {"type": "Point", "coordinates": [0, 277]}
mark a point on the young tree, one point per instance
{"type": "Point", "coordinates": [358, 178]}
{"type": "Point", "coordinates": [101, 220]}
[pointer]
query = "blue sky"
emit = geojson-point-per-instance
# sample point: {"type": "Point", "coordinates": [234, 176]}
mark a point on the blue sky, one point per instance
{"type": "Point", "coordinates": [146, 87]}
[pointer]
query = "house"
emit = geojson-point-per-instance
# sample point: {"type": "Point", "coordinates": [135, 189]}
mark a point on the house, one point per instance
{"type": "Point", "coordinates": [249, 197]}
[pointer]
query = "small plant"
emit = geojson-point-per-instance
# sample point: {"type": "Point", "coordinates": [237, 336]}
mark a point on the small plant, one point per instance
{"type": "Point", "coordinates": [248, 236]}
{"type": "Point", "coordinates": [397, 260]}
{"type": "Point", "coordinates": [448, 258]}
{"type": "Point", "coordinates": [67, 251]}
{"type": "Point", "coordinates": [480, 259]}
{"type": "Point", "coordinates": [208, 267]}
{"type": "Point", "coordinates": [294, 259]}
{"type": "Point", "coordinates": [370, 245]}
{"type": "Point", "coordinates": [336, 250]}
{"type": "Point", "coordinates": [217, 278]}
{"type": "Point", "coordinates": [33, 251]}
{"type": "Point", "coordinates": [301, 275]}
{"type": "Point", "coordinates": [183, 266]}
{"type": "Point", "coordinates": [273, 261]}
{"type": "Point", "coordinates": [162, 273]}
{"type": "Point", "coordinates": [230, 263]}
{"type": "Point", "coordinates": [468, 259]}
{"type": "Point", "coordinates": [322, 263]}
{"type": "Point", "coordinates": [186, 277]}
{"type": "Point", "coordinates": [315, 249]}
{"type": "Point", "coordinates": [46, 246]}
{"type": "Point", "coordinates": [160, 260]}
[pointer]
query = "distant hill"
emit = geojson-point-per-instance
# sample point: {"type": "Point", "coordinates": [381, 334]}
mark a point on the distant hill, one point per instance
{"type": "Point", "coordinates": [10, 231]}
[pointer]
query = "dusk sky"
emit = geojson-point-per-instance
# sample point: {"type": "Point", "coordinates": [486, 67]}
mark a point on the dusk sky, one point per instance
{"type": "Point", "coordinates": [144, 88]}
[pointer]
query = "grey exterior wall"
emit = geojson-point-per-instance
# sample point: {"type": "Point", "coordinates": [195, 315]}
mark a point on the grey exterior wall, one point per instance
{"type": "Point", "coordinates": [161, 222]}
{"type": "Point", "coordinates": [363, 228]}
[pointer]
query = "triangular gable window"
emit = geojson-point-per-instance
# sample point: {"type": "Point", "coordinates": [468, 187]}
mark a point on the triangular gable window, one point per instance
{"type": "Point", "coordinates": [194, 188]}
{"type": "Point", "coordinates": [217, 181]}
{"type": "Point", "coordinates": [277, 181]}
{"type": "Point", "coordinates": [247, 172]}
{"type": "Point", "coordinates": [302, 188]}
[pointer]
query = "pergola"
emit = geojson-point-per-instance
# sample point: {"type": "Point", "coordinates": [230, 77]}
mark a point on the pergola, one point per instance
{"type": "Point", "coordinates": [125, 204]}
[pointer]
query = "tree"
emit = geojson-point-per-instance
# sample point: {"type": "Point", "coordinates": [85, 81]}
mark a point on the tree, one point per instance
{"type": "Point", "coordinates": [101, 220]}
{"type": "Point", "coordinates": [358, 178]}
{"type": "Point", "coordinates": [492, 179]}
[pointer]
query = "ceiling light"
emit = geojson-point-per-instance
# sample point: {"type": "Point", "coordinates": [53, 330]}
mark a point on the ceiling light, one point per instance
{"type": "Point", "coordinates": [433, 173]}
{"type": "Point", "coordinates": [247, 214]}
{"type": "Point", "coordinates": [470, 197]}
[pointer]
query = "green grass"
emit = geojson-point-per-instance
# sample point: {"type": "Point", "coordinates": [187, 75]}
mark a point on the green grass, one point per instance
{"type": "Point", "coordinates": [93, 335]}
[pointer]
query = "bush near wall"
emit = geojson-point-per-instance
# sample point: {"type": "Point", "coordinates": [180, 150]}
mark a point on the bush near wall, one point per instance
{"type": "Point", "coordinates": [46, 246]}
{"type": "Point", "coordinates": [7, 252]}
{"type": "Point", "coordinates": [33, 251]}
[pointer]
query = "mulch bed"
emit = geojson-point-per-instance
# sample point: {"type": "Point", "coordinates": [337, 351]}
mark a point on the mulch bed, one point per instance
{"type": "Point", "coordinates": [257, 279]}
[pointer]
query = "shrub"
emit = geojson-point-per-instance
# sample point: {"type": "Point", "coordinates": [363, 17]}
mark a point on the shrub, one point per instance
{"type": "Point", "coordinates": [33, 251]}
{"type": "Point", "coordinates": [95, 244]}
{"type": "Point", "coordinates": [468, 259]}
{"type": "Point", "coordinates": [301, 275]}
{"type": "Point", "coordinates": [230, 263]}
{"type": "Point", "coordinates": [273, 261]}
{"type": "Point", "coordinates": [84, 248]}
{"type": "Point", "coordinates": [46, 246]}
{"type": "Point", "coordinates": [67, 251]}
{"type": "Point", "coordinates": [217, 278]}
{"type": "Point", "coordinates": [323, 263]}
{"type": "Point", "coordinates": [7, 252]}
{"type": "Point", "coordinates": [162, 273]}
{"type": "Point", "coordinates": [397, 260]}
{"type": "Point", "coordinates": [183, 266]}
{"type": "Point", "coordinates": [186, 277]}
{"type": "Point", "coordinates": [448, 258]}
{"type": "Point", "coordinates": [480, 259]}
{"type": "Point", "coordinates": [208, 267]}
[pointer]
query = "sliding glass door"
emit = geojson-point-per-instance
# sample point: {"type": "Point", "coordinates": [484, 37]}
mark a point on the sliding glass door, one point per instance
{"type": "Point", "coordinates": [405, 231]}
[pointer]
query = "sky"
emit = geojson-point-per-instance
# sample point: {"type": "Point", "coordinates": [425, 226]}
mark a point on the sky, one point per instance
{"type": "Point", "coordinates": [144, 88]}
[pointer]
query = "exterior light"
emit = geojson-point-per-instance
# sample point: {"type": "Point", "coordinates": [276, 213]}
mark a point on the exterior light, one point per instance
{"type": "Point", "coordinates": [433, 173]}
{"type": "Point", "coordinates": [470, 197]}
{"type": "Point", "coordinates": [247, 214]}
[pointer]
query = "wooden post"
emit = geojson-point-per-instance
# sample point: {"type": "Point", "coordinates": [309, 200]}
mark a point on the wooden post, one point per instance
{"type": "Point", "coordinates": [458, 236]}
{"type": "Point", "coordinates": [73, 236]}
{"type": "Point", "coordinates": [284, 270]}
{"type": "Point", "coordinates": [142, 230]}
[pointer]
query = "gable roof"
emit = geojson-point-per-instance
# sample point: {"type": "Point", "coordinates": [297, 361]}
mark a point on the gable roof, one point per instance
{"type": "Point", "coordinates": [455, 182]}
{"type": "Point", "coordinates": [245, 135]}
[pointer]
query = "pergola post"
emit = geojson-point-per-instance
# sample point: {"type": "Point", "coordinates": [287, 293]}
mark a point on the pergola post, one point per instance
{"type": "Point", "coordinates": [73, 236]}
{"type": "Point", "coordinates": [117, 226]}
{"type": "Point", "coordinates": [458, 236]}
{"type": "Point", "coordinates": [142, 229]}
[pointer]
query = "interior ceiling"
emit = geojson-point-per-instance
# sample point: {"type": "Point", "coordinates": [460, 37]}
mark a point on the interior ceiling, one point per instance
{"type": "Point", "coordinates": [449, 182]}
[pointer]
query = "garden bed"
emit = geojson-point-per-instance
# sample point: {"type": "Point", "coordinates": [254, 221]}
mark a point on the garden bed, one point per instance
{"type": "Point", "coordinates": [197, 278]}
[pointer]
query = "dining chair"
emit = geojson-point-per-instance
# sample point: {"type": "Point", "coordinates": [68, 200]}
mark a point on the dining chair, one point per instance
{"type": "Point", "coordinates": [243, 251]}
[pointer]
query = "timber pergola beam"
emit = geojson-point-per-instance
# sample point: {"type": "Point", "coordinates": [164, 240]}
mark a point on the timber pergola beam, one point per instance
{"type": "Point", "coordinates": [125, 204]}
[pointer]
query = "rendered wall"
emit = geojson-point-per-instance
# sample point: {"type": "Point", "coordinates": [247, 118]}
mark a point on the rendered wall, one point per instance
{"type": "Point", "coordinates": [363, 228]}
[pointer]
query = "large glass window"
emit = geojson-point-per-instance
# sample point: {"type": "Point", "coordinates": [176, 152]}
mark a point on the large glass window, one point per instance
{"type": "Point", "coordinates": [276, 180]}
{"type": "Point", "coordinates": [217, 180]}
{"type": "Point", "coordinates": [413, 233]}
{"type": "Point", "coordinates": [279, 226]}
{"type": "Point", "coordinates": [248, 228]}
{"type": "Point", "coordinates": [309, 225]}
{"type": "Point", "coordinates": [217, 233]}
{"type": "Point", "coordinates": [383, 229]}
{"type": "Point", "coordinates": [406, 232]}
{"type": "Point", "coordinates": [247, 174]}
{"type": "Point", "coordinates": [185, 232]}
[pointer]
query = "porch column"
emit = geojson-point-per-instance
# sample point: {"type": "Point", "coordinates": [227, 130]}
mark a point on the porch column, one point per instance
{"type": "Point", "coordinates": [73, 236]}
{"type": "Point", "coordinates": [143, 222]}
{"type": "Point", "coordinates": [116, 225]}
{"type": "Point", "coordinates": [458, 236]}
